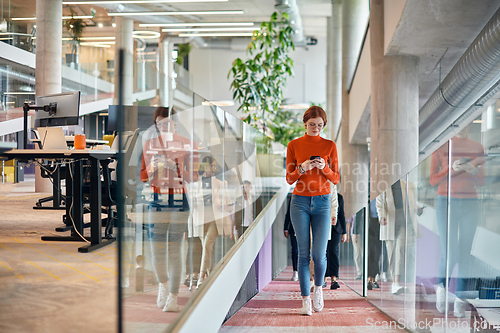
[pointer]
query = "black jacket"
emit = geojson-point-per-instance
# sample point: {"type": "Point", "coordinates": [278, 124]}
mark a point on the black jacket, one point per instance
{"type": "Point", "coordinates": [340, 226]}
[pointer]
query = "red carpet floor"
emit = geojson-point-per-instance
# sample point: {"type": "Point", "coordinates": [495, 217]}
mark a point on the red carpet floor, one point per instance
{"type": "Point", "coordinates": [276, 309]}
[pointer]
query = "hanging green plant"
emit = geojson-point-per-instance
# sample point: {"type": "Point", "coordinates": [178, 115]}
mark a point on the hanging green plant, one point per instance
{"type": "Point", "coordinates": [259, 81]}
{"type": "Point", "coordinates": [182, 51]}
{"type": "Point", "coordinates": [75, 27]}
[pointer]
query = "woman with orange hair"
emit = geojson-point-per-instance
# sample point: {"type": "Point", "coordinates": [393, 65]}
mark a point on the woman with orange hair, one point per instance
{"type": "Point", "coordinates": [312, 164]}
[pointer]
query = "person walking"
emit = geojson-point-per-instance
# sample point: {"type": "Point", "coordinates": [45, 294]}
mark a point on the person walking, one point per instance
{"type": "Point", "coordinates": [312, 164]}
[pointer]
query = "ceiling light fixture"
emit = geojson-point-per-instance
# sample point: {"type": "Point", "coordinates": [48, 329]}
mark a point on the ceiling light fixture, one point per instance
{"type": "Point", "coordinates": [218, 34]}
{"type": "Point", "coordinates": [96, 44]}
{"type": "Point", "coordinates": [207, 12]}
{"type": "Point", "coordinates": [64, 18]}
{"type": "Point", "coordinates": [198, 24]}
{"type": "Point", "coordinates": [106, 2]}
{"type": "Point", "coordinates": [207, 29]}
{"type": "Point", "coordinates": [145, 34]}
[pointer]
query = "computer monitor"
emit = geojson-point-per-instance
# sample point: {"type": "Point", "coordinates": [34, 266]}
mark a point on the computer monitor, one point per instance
{"type": "Point", "coordinates": [67, 111]}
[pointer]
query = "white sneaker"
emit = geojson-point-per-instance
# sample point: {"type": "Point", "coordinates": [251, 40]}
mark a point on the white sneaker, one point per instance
{"type": "Point", "coordinates": [295, 276]}
{"type": "Point", "coordinates": [396, 288]}
{"type": "Point", "coordinates": [384, 277]}
{"type": "Point", "coordinates": [441, 298]}
{"type": "Point", "coordinates": [377, 278]}
{"type": "Point", "coordinates": [318, 302]}
{"type": "Point", "coordinates": [459, 308]}
{"type": "Point", "coordinates": [306, 307]}
{"type": "Point", "coordinates": [162, 295]}
{"type": "Point", "coordinates": [171, 305]}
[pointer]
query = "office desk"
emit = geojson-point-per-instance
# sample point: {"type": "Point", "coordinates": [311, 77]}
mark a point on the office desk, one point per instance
{"type": "Point", "coordinates": [71, 139]}
{"type": "Point", "coordinates": [74, 195]}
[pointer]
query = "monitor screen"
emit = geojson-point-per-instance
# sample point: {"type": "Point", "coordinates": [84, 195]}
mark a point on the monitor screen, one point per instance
{"type": "Point", "coordinates": [67, 112]}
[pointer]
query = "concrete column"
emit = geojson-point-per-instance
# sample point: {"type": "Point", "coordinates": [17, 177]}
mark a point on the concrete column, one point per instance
{"type": "Point", "coordinates": [48, 61]}
{"type": "Point", "coordinates": [354, 164]}
{"type": "Point", "coordinates": [394, 109]}
{"type": "Point", "coordinates": [124, 41]}
{"type": "Point", "coordinates": [334, 69]}
{"type": "Point", "coordinates": [166, 48]}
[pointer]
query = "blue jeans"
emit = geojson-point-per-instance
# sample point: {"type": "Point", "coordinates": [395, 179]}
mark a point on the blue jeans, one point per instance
{"type": "Point", "coordinates": [311, 213]}
{"type": "Point", "coordinates": [464, 216]}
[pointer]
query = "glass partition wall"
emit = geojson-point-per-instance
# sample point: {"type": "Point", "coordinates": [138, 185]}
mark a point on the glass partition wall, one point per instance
{"type": "Point", "coordinates": [433, 237]}
{"type": "Point", "coordinates": [190, 174]}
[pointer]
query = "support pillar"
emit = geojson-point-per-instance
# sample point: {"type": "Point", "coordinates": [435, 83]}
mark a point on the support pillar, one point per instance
{"type": "Point", "coordinates": [354, 164]}
{"type": "Point", "coordinates": [48, 61]}
{"type": "Point", "coordinates": [394, 109]}
{"type": "Point", "coordinates": [125, 41]}
{"type": "Point", "coordinates": [334, 69]}
{"type": "Point", "coordinates": [166, 48]}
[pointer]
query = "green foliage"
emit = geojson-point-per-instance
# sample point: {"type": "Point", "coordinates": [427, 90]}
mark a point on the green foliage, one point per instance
{"type": "Point", "coordinates": [258, 82]}
{"type": "Point", "coordinates": [182, 51]}
{"type": "Point", "coordinates": [75, 27]}
{"type": "Point", "coordinates": [286, 126]}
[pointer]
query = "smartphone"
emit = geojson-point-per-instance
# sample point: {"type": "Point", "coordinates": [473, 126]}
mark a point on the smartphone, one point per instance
{"type": "Point", "coordinates": [464, 160]}
{"type": "Point", "coordinates": [314, 157]}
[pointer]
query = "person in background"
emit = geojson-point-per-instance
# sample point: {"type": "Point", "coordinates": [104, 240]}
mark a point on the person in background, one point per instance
{"type": "Point", "coordinates": [458, 213]}
{"type": "Point", "coordinates": [290, 233]}
{"type": "Point", "coordinates": [338, 234]}
{"type": "Point", "coordinates": [356, 223]}
{"type": "Point", "coordinates": [168, 171]}
{"type": "Point", "coordinates": [312, 163]}
{"type": "Point", "coordinates": [374, 247]}
{"type": "Point", "coordinates": [247, 208]}
{"type": "Point", "coordinates": [217, 206]}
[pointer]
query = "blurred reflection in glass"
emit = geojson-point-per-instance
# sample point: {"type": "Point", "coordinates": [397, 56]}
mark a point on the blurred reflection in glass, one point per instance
{"type": "Point", "coordinates": [395, 230]}
{"type": "Point", "coordinates": [217, 208]}
{"type": "Point", "coordinates": [457, 175]}
{"type": "Point", "coordinates": [167, 163]}
{"type": "Point", "coordinates": [357, 223]}
{"type": "Point", "coordinates": [374, 247]}
{"type": "Point", "coordinates": [248, 207]}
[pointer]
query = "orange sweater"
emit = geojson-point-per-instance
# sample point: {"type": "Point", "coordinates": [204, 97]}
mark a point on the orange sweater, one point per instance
{"type": "Point", "coordinates": [463, 184]}
{"type": "Point", "coordinates": [182, 152]}
{"type": "Point", "coordinates": [315, 181]}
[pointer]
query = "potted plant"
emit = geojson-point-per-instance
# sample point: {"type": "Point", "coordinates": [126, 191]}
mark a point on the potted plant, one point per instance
{"type": "Point", "coordinates": [259, 81]}
{"type": "Point", "coordinates": [75, 27]}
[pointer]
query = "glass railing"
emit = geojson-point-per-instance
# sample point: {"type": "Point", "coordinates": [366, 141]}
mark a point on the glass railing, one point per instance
{"type": "Point", "coordinates": [192, 186]}
{"type": "Point", "coordinates": [433, 238]}
{"type": "Point", "coordinates": [20, 40]}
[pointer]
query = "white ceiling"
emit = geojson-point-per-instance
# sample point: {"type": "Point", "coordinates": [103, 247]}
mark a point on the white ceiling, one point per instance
{"type": "Point", "coordinates": [313, 13]}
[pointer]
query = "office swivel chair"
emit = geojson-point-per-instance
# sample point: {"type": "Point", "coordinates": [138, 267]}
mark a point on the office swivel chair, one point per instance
{"type": "Point", "coordinates": [54, 172]}
{"type": "Point", "coordinates": [109, 187]}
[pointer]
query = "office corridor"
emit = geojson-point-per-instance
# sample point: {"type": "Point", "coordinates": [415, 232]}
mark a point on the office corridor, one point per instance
{"type": "Point", "coordinates": [276, 309]}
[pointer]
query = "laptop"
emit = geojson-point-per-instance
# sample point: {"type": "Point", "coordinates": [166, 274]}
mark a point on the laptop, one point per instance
{"type": "Point", "coordinates": [52, 138]}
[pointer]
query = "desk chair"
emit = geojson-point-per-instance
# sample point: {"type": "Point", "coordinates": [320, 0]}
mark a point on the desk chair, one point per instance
{"type": "Point", "coordinates": [109, 194]}
{"type": "Point", "coordinates": [56, 173]}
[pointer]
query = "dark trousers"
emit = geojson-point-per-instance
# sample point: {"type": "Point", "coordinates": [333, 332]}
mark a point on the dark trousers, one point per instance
{"type": "Point", "coordinates": [295, 251]}
{"type": "Point", "coordinates": [332, 254]}
{"type": "Point", "coordinates": [374, 247]}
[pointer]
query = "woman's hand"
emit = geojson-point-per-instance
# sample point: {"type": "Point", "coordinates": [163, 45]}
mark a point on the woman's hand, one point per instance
{"type": "Point", "coordinates": [170, 164]}
{"type": "Point", "coordinates": [334, 220]}
{"type": "Point", "coordinates": [320, 163]}
{"type": "Point", "coordinates": [345, 238]}
{"type": "Point", "coordinates": [287, 234]}
{"type": "Point", "coordinates": [383, 221]}
{"type": "Point", "coordinates": [308, 165]}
